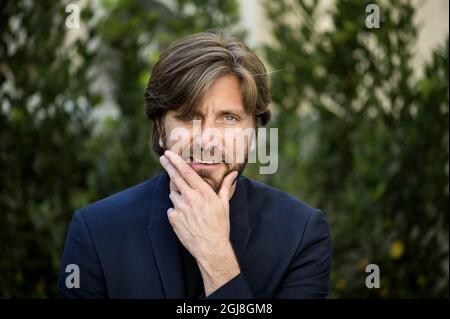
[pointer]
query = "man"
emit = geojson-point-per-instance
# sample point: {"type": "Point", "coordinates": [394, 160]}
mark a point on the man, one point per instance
{"type": "Point", "coordinates": [200, 229]}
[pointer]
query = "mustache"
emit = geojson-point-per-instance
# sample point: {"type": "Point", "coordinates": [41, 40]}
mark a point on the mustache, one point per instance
{"type": "Point", "coordinates": [212, 155]}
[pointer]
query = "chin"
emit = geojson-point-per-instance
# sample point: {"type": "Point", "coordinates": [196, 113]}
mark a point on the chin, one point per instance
{"type": "Point", "coordinates": [215, 184]}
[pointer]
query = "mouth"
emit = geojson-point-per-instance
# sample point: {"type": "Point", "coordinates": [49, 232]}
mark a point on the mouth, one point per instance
{"type": "Point", "coordinates": [203, 164]}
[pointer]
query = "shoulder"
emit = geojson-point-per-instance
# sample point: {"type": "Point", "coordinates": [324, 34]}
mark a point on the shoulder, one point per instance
{"type": "Point", "coordinates": [126, 205]}
{"type": "Point", "coordinates": [274, 205]}
{"type": "Point", "coordinates": [281, 218]}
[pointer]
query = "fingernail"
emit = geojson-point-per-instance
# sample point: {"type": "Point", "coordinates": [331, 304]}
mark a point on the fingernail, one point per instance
{"type": "Point", "coordinates": [236, 178]}
{"type": "Point", "coordinates": [163, 160]}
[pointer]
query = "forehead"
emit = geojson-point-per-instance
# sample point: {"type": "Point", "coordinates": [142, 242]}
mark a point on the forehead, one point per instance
{"type": "Point", "coordinates": [224, 93]}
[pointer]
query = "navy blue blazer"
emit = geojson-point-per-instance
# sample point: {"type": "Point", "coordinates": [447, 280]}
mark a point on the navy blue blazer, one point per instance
{"type": "Point", "coordinates": [125, 246]}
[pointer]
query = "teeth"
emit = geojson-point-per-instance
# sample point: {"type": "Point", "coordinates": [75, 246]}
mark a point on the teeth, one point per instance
{"type": "Point", "coordinates": [202, 161]}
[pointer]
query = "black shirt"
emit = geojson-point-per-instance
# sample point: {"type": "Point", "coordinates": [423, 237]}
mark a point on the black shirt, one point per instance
{"type": "Point", "coordinates": [193, 281]}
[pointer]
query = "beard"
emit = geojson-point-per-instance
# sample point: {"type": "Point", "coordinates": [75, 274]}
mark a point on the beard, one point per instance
{"type": "Point", "coordinates": [215, 182]}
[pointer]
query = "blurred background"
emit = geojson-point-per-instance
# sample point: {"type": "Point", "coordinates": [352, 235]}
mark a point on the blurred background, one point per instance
{"type": "Point", "coordinates": [362, 116]}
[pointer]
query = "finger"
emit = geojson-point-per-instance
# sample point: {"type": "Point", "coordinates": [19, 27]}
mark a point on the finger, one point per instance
{"type": "Point", "coordinates": [173, 187]}
{"type": "Point", "coordinates": [171, 215]}
{"type": "Point", "coordinates": [176, 220]}
{"type": "Point", "coordinates": [174, 175]}
{"type": "Point", "coordinates": [225, 191]}
{"type": "Point", "coordinates": [177, 200]}
{"type": "Point", "coordinates": [186, 171]}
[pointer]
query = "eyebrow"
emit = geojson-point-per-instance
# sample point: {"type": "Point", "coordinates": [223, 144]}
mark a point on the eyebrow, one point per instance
{"type": "Point", "coordinates": [232, 112]}
{"type": "Point", "coordinates": [241, 114]}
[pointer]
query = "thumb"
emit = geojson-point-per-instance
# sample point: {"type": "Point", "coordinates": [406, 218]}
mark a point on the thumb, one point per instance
{"type": "Point", "coordinates": [225, 189]}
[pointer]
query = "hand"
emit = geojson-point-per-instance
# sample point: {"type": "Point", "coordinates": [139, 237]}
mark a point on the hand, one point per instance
{"type": "Point", "coordinates": [200, 219]}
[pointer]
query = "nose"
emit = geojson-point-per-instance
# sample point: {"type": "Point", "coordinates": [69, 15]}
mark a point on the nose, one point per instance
{"type": "Point", "coordinates": [208, 138]}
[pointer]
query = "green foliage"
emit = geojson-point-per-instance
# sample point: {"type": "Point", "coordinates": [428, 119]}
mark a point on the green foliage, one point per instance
{"type": "Point", "coordinates": [364, 136]}
{"type": "Point", "coordinates": [45, 104]}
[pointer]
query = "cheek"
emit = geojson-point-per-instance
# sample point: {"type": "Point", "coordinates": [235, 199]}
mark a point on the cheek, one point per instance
{"type": "Point", "coordinates": [179, 139]}
{"type": "Point", "coordinates": [236, 148]}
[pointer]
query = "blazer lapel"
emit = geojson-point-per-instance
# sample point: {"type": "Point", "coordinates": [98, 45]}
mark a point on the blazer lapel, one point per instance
{"type": "Point", "coordinates": [164, 241]}
{"type": "Point", "coordinates": [239, 219]}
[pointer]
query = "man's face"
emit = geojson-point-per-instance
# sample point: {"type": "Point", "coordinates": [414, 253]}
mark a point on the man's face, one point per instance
{"type": "Point", "coordinates": [220, 117]}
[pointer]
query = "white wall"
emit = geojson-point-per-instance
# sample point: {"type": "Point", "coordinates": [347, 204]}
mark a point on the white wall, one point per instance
{"type": "Point", "coordinates": [433, 15]}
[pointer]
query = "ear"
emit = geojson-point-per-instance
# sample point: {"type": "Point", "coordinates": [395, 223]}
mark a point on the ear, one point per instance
{"type": "Point", "coordinates": [158, 128]}
{"type": "Point", "coordinates": [158, 123]}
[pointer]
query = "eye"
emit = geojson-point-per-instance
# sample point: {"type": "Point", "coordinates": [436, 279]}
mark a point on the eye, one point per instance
{"type": "Point", "coordinates": [188, 117]}
{"type": "Point", "coordinates": [193, 117]}
{"type": "Point", "coordinates": [230, 118]}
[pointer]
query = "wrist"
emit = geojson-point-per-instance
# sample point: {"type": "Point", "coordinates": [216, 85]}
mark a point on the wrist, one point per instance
{"type": "Point", "coordinates": [218, 267]}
